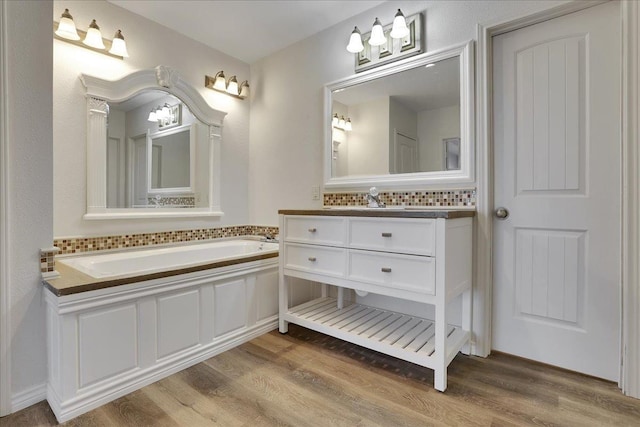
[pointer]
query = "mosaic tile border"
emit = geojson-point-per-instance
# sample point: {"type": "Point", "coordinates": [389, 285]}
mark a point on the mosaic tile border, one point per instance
{"type": "Point", "coordinates": [455, 198]}
{"type": "Point", "coordinates": [73, 245]}
{"type": "Point", "coordinates": [177, 201]}
{"type": "Point", "coordinates": [48, 262]}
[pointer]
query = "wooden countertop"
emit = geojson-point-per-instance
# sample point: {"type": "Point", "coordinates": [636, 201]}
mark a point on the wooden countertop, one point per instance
{"type": "Point", "coordinates": [72, 281]}
{"type": "Point", "coordinates": [383, 212]}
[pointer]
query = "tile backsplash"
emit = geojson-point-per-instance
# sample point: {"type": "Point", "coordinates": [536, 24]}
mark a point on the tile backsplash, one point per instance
{"type": "Point", "coordinates": [72, 245]}
{"type": "Point", "coordinates": [444, 198]}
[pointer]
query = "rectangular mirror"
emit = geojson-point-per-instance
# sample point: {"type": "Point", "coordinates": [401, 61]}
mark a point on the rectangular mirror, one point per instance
{"type": "Point", "coordinates": [171, 161]}
{"type": "Point", "coordinates": [405, 123]}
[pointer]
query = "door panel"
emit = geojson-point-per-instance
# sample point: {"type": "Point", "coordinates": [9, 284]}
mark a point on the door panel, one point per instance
{"type": "Point", "coordinates": [557, 171]}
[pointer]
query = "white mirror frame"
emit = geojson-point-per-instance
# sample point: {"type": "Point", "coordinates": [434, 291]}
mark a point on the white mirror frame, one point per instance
{"type": "Point", "coordinates": [98, 93]}
{"type": "Point", "coordinates": [465, 175]}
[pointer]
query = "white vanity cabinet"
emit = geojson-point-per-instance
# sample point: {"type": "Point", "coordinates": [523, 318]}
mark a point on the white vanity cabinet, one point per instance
{"type": "Point", "coordinates": [422, 256]}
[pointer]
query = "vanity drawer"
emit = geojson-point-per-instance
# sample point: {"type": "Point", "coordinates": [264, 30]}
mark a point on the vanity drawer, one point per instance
{"type": "Point", "coordinates": [317, 230]}
{"type": "Point", "coordinates": [406, 272]}
{"type": "Point", "coordinates": [408, 236]}
{"type": "Point", "coordinates": [315, 259]}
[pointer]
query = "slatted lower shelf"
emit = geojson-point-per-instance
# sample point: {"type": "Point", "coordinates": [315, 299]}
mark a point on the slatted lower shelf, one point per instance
{"type": "Point", "coordinates": [405, 337]}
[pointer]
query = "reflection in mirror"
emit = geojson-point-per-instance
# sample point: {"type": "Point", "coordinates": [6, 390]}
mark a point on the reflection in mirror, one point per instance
{"type": "Point", "coordinates": [156, 158]}
{"type": "Point", "coordinates": [401, 123]}
{"type": "Point", "coordinates": [407, 124]}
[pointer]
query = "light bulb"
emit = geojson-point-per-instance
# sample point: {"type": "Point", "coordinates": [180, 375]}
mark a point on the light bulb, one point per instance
{"type": "Point", "coordinates": [153, 116]}
{"type": "Point", "coordinates": [94, 37]}
{"type": "Point", "coordinates": [347, 125]}
{"type": "Point", "coordinates": [244, 89]}
{"type": "Point", "coordinates": [399, 29]}
{"type": "Point", "coordinates": [335, 120]}
{"type": "Point", "coordinates": [232, 87]}
{"type": "Point", "coordinates": [355, 42]}
{"type": "Point", "coordinates": [166, 112]}
{"type": "Point", "coordinates": [220, 82]}
{"type": "Point", "coordinates": [66, 27]}
{"type": "Point", "coordinates": [341, 123]}
{"type": "Point", "coordinates": [118, 46]}
{"type": "Point", "coordinates": [377, 34]}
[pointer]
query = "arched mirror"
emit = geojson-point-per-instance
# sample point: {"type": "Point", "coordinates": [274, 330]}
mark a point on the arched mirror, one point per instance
{"type": "Point", "coordinates": [404, 124]}
{"type": "Point", "coordinates": [153, 148]}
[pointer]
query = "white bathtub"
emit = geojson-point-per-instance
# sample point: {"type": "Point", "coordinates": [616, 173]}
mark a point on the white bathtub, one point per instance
{"type": "Point", "coordinates": [147, 261]}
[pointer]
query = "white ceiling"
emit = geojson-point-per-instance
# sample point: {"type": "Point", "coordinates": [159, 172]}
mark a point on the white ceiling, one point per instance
{"type": "Point", "coordinates": [247, 30]}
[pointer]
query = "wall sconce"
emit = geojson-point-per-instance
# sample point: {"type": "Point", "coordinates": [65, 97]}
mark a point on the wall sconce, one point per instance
{"type": "Point", "coordinates": [398, 31]}
{"type": "Point", "coordinates": [230, 87]}
{"type": "Point", "coordinates": [66, 31]}
{"type": "Point", "coordinates": [341, 123]}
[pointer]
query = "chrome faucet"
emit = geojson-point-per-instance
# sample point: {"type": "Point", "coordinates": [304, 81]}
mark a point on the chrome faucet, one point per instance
{"type": "Point", "coordinates": [373, 199]}
{"type": "Point", "coordinates": [269, 238]}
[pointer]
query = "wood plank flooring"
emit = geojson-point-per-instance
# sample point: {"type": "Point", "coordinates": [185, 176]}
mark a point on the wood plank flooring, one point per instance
{"type": "Point", "coordinates": [305, 378]}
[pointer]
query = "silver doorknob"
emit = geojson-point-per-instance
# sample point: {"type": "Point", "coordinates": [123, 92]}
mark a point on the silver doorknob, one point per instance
{"type": "Point", "coordinates": [502, 213]}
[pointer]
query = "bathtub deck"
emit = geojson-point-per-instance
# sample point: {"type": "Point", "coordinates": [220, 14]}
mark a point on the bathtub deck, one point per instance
{"type": "Point", "coordinates": [72, 281]}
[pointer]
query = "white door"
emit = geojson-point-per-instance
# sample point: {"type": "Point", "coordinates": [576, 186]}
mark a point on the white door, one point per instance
{"type": "Point", "coordinates": [406, 154]}
{"type": "Point", "coordinates": [138, 170]}
{"type": "Point", "coordinates": [556, 296]}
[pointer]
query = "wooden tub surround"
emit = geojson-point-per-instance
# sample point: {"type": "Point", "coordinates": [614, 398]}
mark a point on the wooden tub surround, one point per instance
{"type": "Point", "coordinates": [109, 337]}
{"type": "Point", "coordinates": [416, 255]}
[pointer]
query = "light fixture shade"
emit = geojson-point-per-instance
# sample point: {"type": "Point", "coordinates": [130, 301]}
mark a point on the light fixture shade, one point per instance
{"type": "Point", "coordinates": [118, 46]}
{"type": "Point", "coordinates": [66, 27]}
{"type": "Point", "coordinates": [347, 125]}
{"type": "Point", "coordinates": [220, 82]}
{"type": "Point", "coordinates": [377, 34]}
{"type": "Point", "coordinates": [342, 123]}
{"type": "Point", "coordinates": [399, 29]}
{"type": "Point", "coordinates": [232, 87]}
{"type": "Point", "coordinates": [166, 111]}
{"type": "Point", "coordinates": [355, 42]}
{"type": "Point", "coordinates": [152, 116]}
{"type": "Point", "coordinates": [94, 36]}
{"type": "Point", "coordinates": [335, 120]}
{"type": "Point", "coordinates": [244, 89]}
{"type": "Point", "coordinates": [159, 113]}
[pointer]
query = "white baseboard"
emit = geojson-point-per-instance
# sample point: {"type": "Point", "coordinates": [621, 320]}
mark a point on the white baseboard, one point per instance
{"type": "Point", "coordinates": [28, 397]}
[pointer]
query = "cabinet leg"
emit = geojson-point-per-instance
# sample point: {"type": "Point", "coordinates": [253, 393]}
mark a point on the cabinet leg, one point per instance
{"type": "Point", "coordinates": [283, 326]}
{"type": "Point", "coordinates": [440, 379]}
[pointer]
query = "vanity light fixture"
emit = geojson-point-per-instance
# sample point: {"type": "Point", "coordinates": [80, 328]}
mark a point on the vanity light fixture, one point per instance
{"type": "Point", "coordinates": [341, 123]}
{"type": "Point", "coordinates": [92, 39]}
{"type": "Point", "coordinates": [94, 36]}
{"type": "Point", "coordinates": [153, 117]}
{"type": "Point", "coordinates": [377, 34]}
{"type": "Point", "coordinates": [399, 30]}
{"type": "Point", "coordinates": [230, 87]}
{"type": "Point", "coordinates": [118, 46]}
{"type": "Point", "coordinates": [66, 27]}
{"type": "Point", "coordinates": [355, 42]}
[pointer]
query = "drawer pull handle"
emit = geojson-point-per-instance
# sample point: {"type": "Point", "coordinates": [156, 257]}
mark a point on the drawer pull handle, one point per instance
{"type": "Point", "coordinates": [312, 259]}
{"type": "Point", "coordinates": [312, 230]}
{"type": "Point", "coordinates": [386, 270]}
{"type": "Point", "coordinates": [386, 234]}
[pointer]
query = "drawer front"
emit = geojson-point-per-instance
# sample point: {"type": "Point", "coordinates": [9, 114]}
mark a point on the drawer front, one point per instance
{"type": "Point", "coordinates": [315, 259]}
{"type": "Point", "coordinates": [317, 230]}
{"type": "Point", "coordinates": [407, 272]}
{"type": "Point", "coordinates": [408, 236]}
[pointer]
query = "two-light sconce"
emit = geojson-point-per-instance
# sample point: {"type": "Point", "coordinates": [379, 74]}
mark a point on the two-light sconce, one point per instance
{"type": "Point", "coordinates": [398, 31]}
{"type": "Point", "coordinates": [66, 30]}
{"type": "Point", "coordinates": [341, 123]}
{"type": "Point", "coordinates": [230, 87]}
